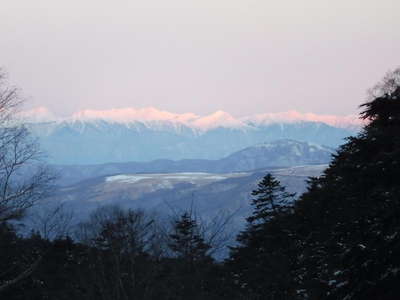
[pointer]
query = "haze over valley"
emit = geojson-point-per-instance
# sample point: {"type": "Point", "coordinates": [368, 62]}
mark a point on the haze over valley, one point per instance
{"type": "Point", "coordinates": [149, 134]}
{"type": "Point", "coordinates": [199, 150]}
{"type": "Point", "coordinates": [165, 162]}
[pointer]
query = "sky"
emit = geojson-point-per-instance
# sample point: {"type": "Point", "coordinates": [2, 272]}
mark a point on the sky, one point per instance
{"type": "Point", "coordinates": [240, 56]}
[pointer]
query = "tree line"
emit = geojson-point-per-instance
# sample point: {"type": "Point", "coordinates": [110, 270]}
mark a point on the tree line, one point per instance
{"type": "Point", "coordinates": [338, 240]}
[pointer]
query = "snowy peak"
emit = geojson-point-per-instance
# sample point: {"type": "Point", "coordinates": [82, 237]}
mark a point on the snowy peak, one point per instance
{"type": "Point", "coordinates": [128, 115]}
{"type": "Point", "coordinates": [151, 115]}
{"type": "Point", "coordinates": [121, 135]}
{"type": "Point", "coordinates": [218, 119]}
{"type": "Point", "coordinates": [349, 121]}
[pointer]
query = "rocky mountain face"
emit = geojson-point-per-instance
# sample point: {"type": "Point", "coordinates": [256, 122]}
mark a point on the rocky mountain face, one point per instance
{"type": "Point", "coordinates": [280, 153]}
{"type": "Point", "coordinates": [104, 141]}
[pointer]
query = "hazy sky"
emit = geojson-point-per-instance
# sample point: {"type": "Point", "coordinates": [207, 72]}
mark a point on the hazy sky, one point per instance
{"type": "Point", "coordinates": [243, 57]}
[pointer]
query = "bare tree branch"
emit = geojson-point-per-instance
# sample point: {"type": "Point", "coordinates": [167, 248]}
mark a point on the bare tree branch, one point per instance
{"type": "Point", "coordinates": [24, 178]}
{"type": "Point", "coordinates": [25, 274]}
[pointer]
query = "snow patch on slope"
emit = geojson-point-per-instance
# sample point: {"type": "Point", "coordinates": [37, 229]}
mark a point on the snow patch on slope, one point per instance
{"type": "Point", "coordinates": [126, 178]}
{"type": "Point", "coordinates": [192, 177]}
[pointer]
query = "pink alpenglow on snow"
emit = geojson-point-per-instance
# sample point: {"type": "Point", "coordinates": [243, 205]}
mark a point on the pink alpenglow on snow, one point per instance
{"type": "Point", "coordinates": [295, 116]}
{"type": "Point", "coordinates": [133, 114]}
{"type": "Point", "coordinates": [211, 121]}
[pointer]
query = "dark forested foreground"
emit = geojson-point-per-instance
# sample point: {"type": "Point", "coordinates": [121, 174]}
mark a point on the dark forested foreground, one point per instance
{"type": "Point", "coordinates": [340, 239]}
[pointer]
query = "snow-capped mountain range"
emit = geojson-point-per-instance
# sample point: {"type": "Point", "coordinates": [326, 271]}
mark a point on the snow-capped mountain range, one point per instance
{"type": "Point", "coordinates": [123, 135]}
{"type": "Point", "coordinates": [217, 119]}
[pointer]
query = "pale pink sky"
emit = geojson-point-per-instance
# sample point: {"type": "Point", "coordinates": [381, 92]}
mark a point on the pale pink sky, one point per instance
{"type": "Point", "coordinates": [200, 56]}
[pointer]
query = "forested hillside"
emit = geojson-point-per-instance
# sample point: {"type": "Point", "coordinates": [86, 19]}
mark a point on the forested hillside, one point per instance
{"type": "Point", "coordinates": [338, 240]}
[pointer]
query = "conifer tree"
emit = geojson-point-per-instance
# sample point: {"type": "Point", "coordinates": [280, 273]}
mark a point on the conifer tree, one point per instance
{"type": "Point", "coordinates": [349, 218]}
{"type": "Point", "coordinates": [189, 277]}
{"type": "Point", "coordinates": [186, 241]}
{"type": "Point", "coordinates": [271, 200]}
{"type": "Point", "coordinates": [260, 264]}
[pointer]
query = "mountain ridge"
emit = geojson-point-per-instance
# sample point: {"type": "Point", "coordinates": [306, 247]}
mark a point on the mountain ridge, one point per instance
{"type": "Point", "coordinates": [209, 193]}
{"type": "Point", "coordinates": [214, 120]}
{"type": "Point", "coordinates": [124, 135]}
{"type": "Point", "coordinates": [102, 141]}
{"type": "Point", "coordinates": [280, 153]}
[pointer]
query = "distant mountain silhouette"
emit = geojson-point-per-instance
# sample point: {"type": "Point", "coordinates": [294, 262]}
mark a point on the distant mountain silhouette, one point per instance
{"type": "Point", "coordinates": [280, 153]}
{"type": "Point", "coordinates": [100, 141]}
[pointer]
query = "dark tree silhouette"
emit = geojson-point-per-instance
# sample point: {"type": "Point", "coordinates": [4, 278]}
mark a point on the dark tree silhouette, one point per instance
{"type": "Point", "coordinates": [24, 179]}
{"type": "Point", "coordinates": [271, 200]}
{"type": "Point", "coordinates": [186, 242]}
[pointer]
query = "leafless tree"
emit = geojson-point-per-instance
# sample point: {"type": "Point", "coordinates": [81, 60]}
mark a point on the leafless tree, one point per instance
{"type": "Point", "coordinates": [25, 274]}
{"type": "Point", "coordinates": [389, 83]}
{"type": "Point", "coordinates": [51, 220]}
{"type": "Point", "coordinates": [134, 226]}
{"type": "Point", "coordinates": [125, 236]}
{"type": "Point", "coordinates": [218, 233]}
{"type": "Point", "coordinates": [24, 179]}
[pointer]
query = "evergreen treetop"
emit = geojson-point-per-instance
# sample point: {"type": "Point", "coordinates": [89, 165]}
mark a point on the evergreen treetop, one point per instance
{"type": "Point", "coordinates": [186, 241]}
{"type": "Point", "coordinates": [271, 199]}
